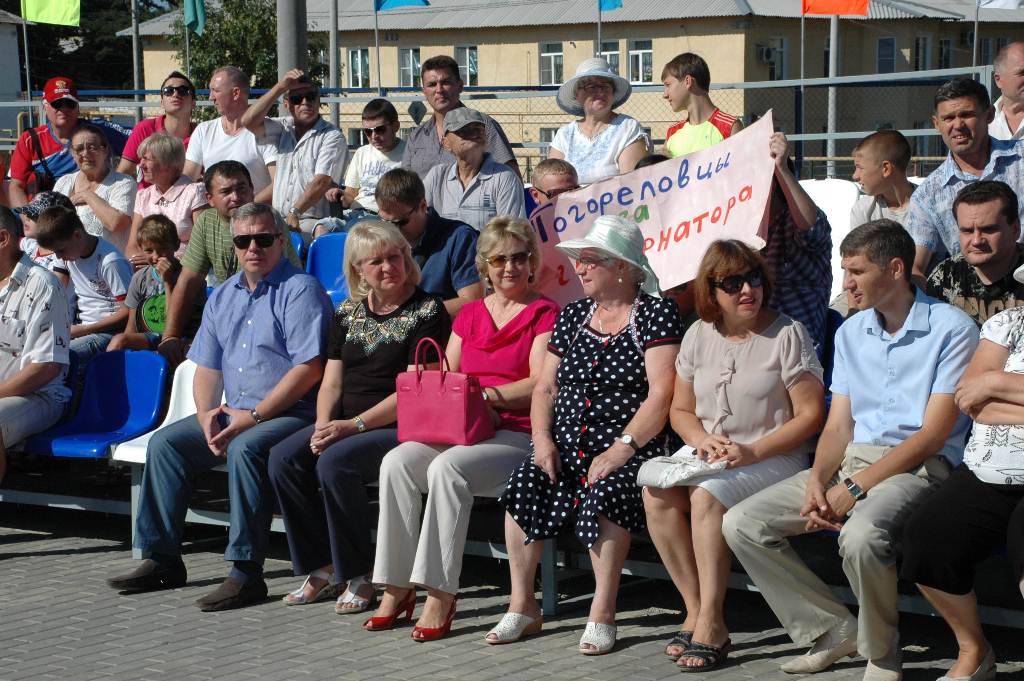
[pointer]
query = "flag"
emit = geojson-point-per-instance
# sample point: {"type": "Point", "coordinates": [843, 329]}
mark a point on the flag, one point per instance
{"type": "Point", "coordinates": [385, 5]}
{"type": "Point", "coordinates": [1000, 4]}
{"type": "Point", "coordinates": [195, 15]}
{"type": "Point", "coordinates": [62, 12]}
{"type": "Point", "coordinates": [846, 7]}
{"type": "Point", "coordinates": [608, 5]}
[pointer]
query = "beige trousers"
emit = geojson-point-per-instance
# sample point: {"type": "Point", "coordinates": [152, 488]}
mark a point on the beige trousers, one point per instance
{"type": "Point", "coordinates": [756, 529]}
{"type": "Point", "coordinates": [431, 556]}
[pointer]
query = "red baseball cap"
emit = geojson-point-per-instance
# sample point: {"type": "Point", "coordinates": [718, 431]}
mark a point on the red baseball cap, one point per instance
{"type": "Point", "coordinates": [60, 87]}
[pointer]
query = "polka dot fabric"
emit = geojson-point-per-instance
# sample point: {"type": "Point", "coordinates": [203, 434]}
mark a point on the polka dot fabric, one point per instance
{"type": "Point", "coordinates": [601, 383]}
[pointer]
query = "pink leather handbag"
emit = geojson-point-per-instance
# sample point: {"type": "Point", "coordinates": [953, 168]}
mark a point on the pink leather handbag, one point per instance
{"type": "Point", "coordinates": [440, 406]}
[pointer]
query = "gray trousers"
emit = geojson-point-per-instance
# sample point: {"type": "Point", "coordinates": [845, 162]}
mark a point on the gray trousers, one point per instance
{"type": "Point", "coordinates": [756, 529]}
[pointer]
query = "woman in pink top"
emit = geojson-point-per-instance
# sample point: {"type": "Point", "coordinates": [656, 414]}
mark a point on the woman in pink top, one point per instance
{"type": "Point", "coordinates": [501, 340]}
{"type": "Point", "coordinates": [169, 192]}
{"type": "Point", "coordinates": [178, 100]}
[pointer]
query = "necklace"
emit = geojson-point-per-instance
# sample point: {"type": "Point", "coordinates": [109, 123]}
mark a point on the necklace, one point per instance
{"type": "Point", "coordinates": [512, 311]}
{"type": "Point", "coordinates": [618, 319]}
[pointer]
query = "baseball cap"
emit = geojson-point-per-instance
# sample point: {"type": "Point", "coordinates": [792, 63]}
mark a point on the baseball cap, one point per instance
{"type": "Point", "coordinates": [60, 87]}
{"type": "Point", "coordinates": [457, 119]}
{"type": "Point", "coordinates": [41, 202]}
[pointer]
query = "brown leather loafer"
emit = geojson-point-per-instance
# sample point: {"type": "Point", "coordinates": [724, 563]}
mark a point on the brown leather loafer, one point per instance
{"type": "Point", "coordinates": [149, 576]}
{"type": "Point", "coordinates": [234, 594]}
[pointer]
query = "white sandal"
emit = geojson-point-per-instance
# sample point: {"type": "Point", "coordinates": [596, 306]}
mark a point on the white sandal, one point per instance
{"type": "Point", "coordinates": [600, 636]}
{"type": "Point", "coordinates": [514, 626]}
{"type": "Point", "coordinates": [353, 600]}
{"type": "Point", "coordinates": [328, 590]}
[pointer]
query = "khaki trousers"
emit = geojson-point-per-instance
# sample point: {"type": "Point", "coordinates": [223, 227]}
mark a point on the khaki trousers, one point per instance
{"type": "Point", "coordinates": [431, 556]}
{"type": "Point", "coordinates": [756, 529]}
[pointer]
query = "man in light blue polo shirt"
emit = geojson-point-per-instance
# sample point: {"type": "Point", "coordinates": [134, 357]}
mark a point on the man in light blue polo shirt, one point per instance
{"type": "Point", "coordinates": [475, 188]}
{"type": "Point", "coordinates": [260, 345]}
{"type": "Point", "coordinates": [962, 116]}
{"type": "Point", "coordinates": [893, 428]}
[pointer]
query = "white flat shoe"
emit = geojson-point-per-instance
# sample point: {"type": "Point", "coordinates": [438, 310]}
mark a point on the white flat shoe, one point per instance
{"type": "Point", "coordinates": [514, 626]}
{"type": "Point", "coordinates": [831, 647]}
{"type": "Point", "coordinates": [328, 590]}
{"type": "Point", "coordinates": [985, 671]}
{"type": "Point", "coordinates": [600, 636]}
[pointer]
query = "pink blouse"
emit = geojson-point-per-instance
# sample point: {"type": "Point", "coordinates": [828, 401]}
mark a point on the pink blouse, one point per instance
{"type": "Point", "coordinates": [177, 203]}
{"type": "Point", "coordinates": [499, 356]}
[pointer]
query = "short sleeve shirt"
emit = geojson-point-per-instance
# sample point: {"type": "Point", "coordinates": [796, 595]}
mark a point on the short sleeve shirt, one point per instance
{"type": "Point", "coordinates": [890, 378]}
{"type": "Point", "coordinates": [209, 144]}
{"type": "Point", "coordinates": [177, 203]}
{"type": "Point", "coordinates": [321, 151]}
{"type": "Point", "coordinates": [446, 254]}
{"type": "Point", "coordinates": [210, 247]}
{"type": "Point", "coordinates": [999, 128]}
{"type": "Point", "coordinates": [25, 162]}
{"type": "Point", "coordinates": [367, 167]}
{"type": "Point", "coordinates": [597, 158]}
{"type": "Point", "coordinates": [868, 208]}
{"type": "Point", "coordinates": [956, 282]}
{"type": "Point", "coordinates": [374, 349]}
{"type": "Point", "coordinates": [423, 148]}
{"type": "Point", "coordinates": [140, 132]}
{"type": "Point", "coordinates": [118, 190]}
{"type": "Point", "coordinates": [146, 283]}
{"type": "Point", "coordinates": [101, 282]}
{"type": "Point", "coordinates": [495, 190]}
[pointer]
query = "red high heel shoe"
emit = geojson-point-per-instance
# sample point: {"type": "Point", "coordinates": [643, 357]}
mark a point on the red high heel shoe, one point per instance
{"type": "Point", "coordinates": [382, 622]}
{"type": "Point", "coordinates": [422, 634]}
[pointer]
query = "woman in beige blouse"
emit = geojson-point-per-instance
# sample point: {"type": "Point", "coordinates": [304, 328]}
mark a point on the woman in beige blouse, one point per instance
{"type": "Point", "coordinates": [748, 392]}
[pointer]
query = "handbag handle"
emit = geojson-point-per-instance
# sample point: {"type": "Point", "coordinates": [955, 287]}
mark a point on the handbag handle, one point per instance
{"type": "Point", "coordinates": [423, 346]}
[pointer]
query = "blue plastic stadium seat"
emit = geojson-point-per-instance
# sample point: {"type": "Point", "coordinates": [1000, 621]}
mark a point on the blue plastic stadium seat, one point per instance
{"type": "Point", "coordinates": [531, 205]}
{"type": "Point", "coordinates": [300, 246]}
{"type": "Point", "coordinates": [122, 399]}
{"type": "Point", "coordinates": [326, 263]}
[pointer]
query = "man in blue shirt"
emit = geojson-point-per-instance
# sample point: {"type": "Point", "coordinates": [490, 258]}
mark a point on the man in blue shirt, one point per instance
{"type": "Point", "coordinates": [260, 346]}
{"type": "Point", "coordinates": [893, 428]}
{"type": "Point", "coordinates": [962, 115]}
{"type": "Point", "coordinates": [444, 249]}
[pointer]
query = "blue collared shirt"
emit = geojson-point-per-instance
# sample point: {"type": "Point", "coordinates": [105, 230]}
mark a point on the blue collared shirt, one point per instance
{"type": "Point", "coordinates": [889, 379]}
{"type": "Point", "coordinates": [255, 337]}
{"type": "Point", "coordinates": [930, 219]}
{"type": "Point", "coordinates": [446, 254]}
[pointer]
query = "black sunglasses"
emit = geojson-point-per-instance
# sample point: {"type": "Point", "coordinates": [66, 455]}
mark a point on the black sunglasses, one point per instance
{"type": "Point", "coordinates": [64, 104]}
{"type": "Point", "coordinates": [379, 130]}
{"type": "Point", "coordinates": [552, 194]}
{"type": "Point", "coordinates": [180, 90]}
{"type": "Point", "coordinates": [402, 222]}
{"type": "Point", "coordinates": [264, 240]}
{"type": "Point", "coordinates": [734, 283]}
{"type": "Point", "coordinates": [310, 97]}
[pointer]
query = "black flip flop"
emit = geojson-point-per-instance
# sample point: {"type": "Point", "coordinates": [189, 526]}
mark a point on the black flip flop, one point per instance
{"type": "Point", "coordinates": [713, 656]}
{"type": "Point", "coordinates": [682, 639]}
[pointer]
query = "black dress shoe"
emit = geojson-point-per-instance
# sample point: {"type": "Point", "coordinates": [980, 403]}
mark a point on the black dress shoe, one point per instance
{"type": "Point", "coordinates": [150, 575]}
{"type": "Point", "coordinates": [234, 594]}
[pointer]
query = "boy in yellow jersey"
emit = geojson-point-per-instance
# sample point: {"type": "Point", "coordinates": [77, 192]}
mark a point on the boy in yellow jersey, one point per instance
{"type": "Point", "coordinates": [687, 80]}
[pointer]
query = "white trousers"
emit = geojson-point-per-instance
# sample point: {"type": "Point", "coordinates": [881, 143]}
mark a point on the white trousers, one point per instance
{"type": "Point", "coordinates": [431, 556]}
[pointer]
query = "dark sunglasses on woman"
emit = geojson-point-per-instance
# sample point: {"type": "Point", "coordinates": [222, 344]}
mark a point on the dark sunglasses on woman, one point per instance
{"type": "Point", "coordinates": [734, 283]}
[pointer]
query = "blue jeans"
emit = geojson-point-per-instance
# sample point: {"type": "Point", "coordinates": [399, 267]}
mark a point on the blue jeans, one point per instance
{"type": "Point", "coordinates": [88, 346]}
{"type": "Point", "coordinates": [178, 453]}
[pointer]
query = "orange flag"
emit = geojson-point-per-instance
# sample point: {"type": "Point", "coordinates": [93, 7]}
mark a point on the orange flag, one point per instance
{"type": "Point", "coordinates": [844, 7]}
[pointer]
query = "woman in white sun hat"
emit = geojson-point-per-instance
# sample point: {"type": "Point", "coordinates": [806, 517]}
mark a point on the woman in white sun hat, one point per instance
{"type": "Point", "coordinates": [601, 143]}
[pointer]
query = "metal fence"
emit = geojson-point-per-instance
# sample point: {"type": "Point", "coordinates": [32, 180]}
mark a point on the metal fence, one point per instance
{"type": "Point", "coordinates": [530, 117]}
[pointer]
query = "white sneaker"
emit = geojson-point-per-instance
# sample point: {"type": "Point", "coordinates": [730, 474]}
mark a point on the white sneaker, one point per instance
{"type": "Point", "coordinates": [835, 644]}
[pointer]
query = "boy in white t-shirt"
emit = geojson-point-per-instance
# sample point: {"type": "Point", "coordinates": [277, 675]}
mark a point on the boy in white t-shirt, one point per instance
{"type": "Point", "coordinates": [99, 273]}
{"type": "Point", "coordinates": [880, 164]}
{"type": "Point", "coordinates": [42, 256]}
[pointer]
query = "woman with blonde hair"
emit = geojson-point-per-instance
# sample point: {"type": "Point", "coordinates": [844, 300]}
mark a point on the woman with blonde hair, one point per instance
{"type": "Point", "coordinates": [501, 339]}
{"type": "Point", "coordinates": [320, 473]}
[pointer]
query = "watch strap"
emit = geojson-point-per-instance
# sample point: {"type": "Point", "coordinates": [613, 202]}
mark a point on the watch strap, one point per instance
{"type": "Point", "coordinates": [855, 490]}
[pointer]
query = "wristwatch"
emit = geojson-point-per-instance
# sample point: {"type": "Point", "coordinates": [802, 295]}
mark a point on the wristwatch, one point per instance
{"type": "Point", "coordinates": [360, 424]}
{"type": "Point", "coordinates": [856, 491]}
{"type": "Point", "coordinates": [628, 439]}
{"type": "Point", "coordinates": [294, 211]}
{"type": "Point", "coordinates": [256, 416]}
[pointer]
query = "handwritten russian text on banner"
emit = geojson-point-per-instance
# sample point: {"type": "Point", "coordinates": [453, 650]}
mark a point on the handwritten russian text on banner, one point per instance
{"type": "Point", "coordinates": [681, 206]}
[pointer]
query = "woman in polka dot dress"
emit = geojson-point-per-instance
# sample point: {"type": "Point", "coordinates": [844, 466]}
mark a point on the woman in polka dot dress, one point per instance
{"type": "Point", "coordinates": [599, 410]}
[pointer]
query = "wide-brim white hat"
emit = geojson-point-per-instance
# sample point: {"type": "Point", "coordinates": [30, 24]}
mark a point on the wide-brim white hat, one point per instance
{"type": "Point", "coordinates": [621, 239]}
{"type": "Point", "coordinates": [595, 67]}
{"type": "Point", "coordinates": [1018, 274]}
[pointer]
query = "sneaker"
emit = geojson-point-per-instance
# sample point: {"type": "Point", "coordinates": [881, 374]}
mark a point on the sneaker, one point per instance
{"type": "Point", "coordinates": [149, 576]}
{"type": "Point", "coordinates": [835, 644]}
{"type": "Point", "coordinates": [234, 594]}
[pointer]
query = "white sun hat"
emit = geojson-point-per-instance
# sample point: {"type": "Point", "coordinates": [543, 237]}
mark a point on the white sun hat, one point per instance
{"type": "Point", "coordinates": [595, 67]}
{"type": "Point", "coordinates": [621, 239]}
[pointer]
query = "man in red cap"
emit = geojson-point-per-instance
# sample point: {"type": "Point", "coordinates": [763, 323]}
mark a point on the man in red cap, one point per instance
{"type": "Point", "coordinates": [43, 153]}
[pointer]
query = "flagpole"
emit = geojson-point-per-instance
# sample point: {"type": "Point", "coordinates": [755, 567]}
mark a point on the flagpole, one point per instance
{"type": "Point", "coordinates": [28, 75]}
{"type": "Point", "coordinates": [974, 50]}
{"type": "Point", "coordinates": [376, 40]}
{"type": "Point", "coordinates": [188, 66]}
{"type": "Point", "coordinates": [597, 51]}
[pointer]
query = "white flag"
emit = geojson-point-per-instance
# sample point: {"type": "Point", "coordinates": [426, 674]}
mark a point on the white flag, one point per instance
{"type": "Point", "coordinates": [1000, 4]}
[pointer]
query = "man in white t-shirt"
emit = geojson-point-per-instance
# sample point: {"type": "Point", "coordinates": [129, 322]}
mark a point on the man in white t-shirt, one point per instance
{"type": "Point", "coordinates": [99, 273]}
{"type": "Point", "coordinates": [311, 153]}
{"type": "Point", "coordinates": [226, 139]}
{"type": "Point", "coordinates": [1009, 73]}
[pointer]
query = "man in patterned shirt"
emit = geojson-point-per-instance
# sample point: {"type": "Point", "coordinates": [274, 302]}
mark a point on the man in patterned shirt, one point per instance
{"type": "Point", "coordinates": [979, 279]}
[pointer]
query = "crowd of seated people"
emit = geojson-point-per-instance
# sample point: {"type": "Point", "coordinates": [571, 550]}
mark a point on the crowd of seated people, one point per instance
{"type": "Point", "coordinates": [300, 403]}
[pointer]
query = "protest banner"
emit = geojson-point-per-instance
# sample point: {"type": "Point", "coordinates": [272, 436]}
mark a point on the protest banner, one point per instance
{"type": "Point", "coordinates": [681, 206]}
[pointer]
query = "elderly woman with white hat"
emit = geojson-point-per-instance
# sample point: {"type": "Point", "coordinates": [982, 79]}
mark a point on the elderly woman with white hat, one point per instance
{"type": "Point", "coordinates": [599, 410]}
{"type": "Point", "coordinates": [602, 143]}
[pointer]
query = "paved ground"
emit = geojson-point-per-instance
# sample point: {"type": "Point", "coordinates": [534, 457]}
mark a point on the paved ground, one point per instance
{"type": "Point", "coordinates": [58, 620]}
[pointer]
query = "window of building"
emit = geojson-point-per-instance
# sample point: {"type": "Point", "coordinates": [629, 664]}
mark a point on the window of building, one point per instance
{"type": "Point", "coordinates": [355, 138]}
{"type": "Point", "coordinates": [885, 56]}
{"type": "Point", "coordinates": [986, 53]}
{"type": "Point", "coordinates": [641, 61]}
{"type": "Point", "coordinates": [550, 63]}
{"type": "Point", "coordinates": [777, 61]}
{"type": "Point", "coordinates": [610, 51]}
{"type": "Point", "coordinates": [922, 53]}
{"type": "Point", "coordinates": [359, 67]}
{"type": "Point", "coordinates": [409, 66]}
{"type": "Point", "coordinates": [466, 57]}
{"type": "Point", "coordinates": [945, 53]}
{"type": "Point", "coordinates": [547, 135]}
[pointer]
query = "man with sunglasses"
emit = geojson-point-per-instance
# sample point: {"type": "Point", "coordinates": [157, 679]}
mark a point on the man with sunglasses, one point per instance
{"type": "Point", "coordinates": [43, 154]}
{"type": "Point", "coordinates": [474, 188]}
{"type": "Point", "coordinates": [444, 249]}
{"type": "Point", "coordinates": [383, 152]}
{"type": "Point", "coordinates": [442, 87]}
{"type": "Point", "coordinates": [259, 356]}
{"type": "Point", "coordinates": [311, 153]}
